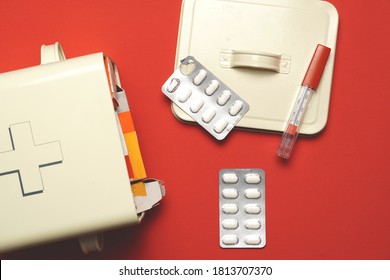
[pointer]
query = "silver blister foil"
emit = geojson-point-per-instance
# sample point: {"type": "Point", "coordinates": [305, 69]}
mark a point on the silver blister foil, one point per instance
{"type": "Point", "coordinates": [242, 208]}
{"type": "Point", "coordinates": [205, 98]}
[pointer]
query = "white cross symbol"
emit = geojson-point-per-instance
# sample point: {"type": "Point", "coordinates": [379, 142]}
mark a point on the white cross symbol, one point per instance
{"type": "Point", "coordinates": [27, 158]}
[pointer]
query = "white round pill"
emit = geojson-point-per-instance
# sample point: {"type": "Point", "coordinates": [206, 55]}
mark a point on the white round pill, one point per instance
{"type": "Point", "coordinates": [252, 224]}
{"type": "Point", "coordinates": [184, 95]}
{"type": "Point", "coordinates": [236, 107]}
{"type": "Point", "coordinates": [200, 77]}
{"type": "Point", "coordinates": [252, 178]}
{"type": "Point", "coordinates": [252, 240]}
{"type": "Point", "coordinates": [196, 105]}
{"type": "Point", "coordinates": [230, 239]}
{"type": "Point", "coordinates": [252, 193]}
{"type": "Point", "coordinates": [230, 224]}
{"type": "Point", "coordinates": [220, 125]}
{"type": "Point", "coordinates": [208, 115]}
{"type": "Point", "coordinates": [230, 208]}
{"type": "Point", "coordinates": [224, 97]}
{"type": "Point", "coordinates": [229, 178]}
{"type": "Point", "coordinates": [252, 209]}
{"type": "Point", "coordinates": [230, 193]}
{"type": "Point", "coordinates": [212, 87]}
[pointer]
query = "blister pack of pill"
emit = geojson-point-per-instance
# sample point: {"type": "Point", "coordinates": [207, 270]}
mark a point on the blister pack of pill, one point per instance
{"type": "Point", "coordinates": [205, 98]}
{"type": "Point", "coordinates": [242, 208]}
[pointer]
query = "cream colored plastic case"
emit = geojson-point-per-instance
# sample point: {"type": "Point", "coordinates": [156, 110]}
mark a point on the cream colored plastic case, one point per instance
{"type": "Point", "coordinates": [62, 167]}
{"type": "Point", "coordinates": [261, 49]}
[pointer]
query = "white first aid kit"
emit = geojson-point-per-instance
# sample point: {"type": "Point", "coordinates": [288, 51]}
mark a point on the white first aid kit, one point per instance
{"type": "Point", "coordinates": [261, 49]}
{"type": "Point", "coordinates": [65, 140]}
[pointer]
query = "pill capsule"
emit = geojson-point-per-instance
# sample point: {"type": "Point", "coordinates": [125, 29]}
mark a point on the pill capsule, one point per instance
{"type": "Point", "coordinates": [252, 224]}
{"type": "Point", "coordinates": [236, 107]}
{"type": "Point", "coordinates": [230, 224]}
{"type": "Point", "coordinates": [184, 95]}
{"type": "Point", "coordinates": [212, 87]}
{"type": "Point", "coordinates": [229, 178]}
{"type": "Point", "coordinates": [252, 193]}
{"type": "Point", "coordinates": [199, 78]}
{"type": "Point", "coordinates": [230, 193]}
{"type": "Point", "coordinates": [252, 209]}
{"type": "Point", "coordinates": [196, 105]}
{"type": "Point", "coordinates": [252, 240]}
{"type": "Point", "coordinates": [230, 239]}
{"type": "Point", "coordinates": [252, 178]}
{"type": "Point", "coordinates": [220, 125]}
{"type": "Point", "coordinates": [208, 115]}
{"type": "Point", "coordinates": [230, 208]}
{"type": "Point", "coordinates": [224, 97]}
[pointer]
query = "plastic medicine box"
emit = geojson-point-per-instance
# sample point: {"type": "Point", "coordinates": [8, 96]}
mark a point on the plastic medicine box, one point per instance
{"type": "Point", "coordinates": [261, 49]}
{"type": "Point", "coordinates": [70, 164]}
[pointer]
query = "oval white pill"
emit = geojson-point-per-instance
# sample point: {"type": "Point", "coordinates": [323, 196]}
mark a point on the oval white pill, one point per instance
{"type": "Point", "coordinates": [252, 178]}
{"type": "Point", "coordinates": [212, 87]}
{"type": "Point", "coordinates": [252, 209]}
{"type": "Point", "coordinates": [229, 239]}
{"type": "Point", "coordinates": [252, 224]}
{"type": "Point", "coordinates": [230, 208]}
{"type": "Point", "coordinates": [208, 115]}
{"type": "Point", "coordinates": [252, 193]}
{"type": "Point", "coordinates": [196, 105]}
{"type": "Point", "coordinates": [230, 193]}
{"type": "Point", "coordinates": [184, 95]}
{"type": "Point", "coordinates": [229, 178]}
{"type": "Point", "coordinates": [230, 224]}
{"type": "Point", "coordinates": [236, 107]}
{"type": "Point", "coordinates": [220, 125]}
{"type": "Point", "coordinates": [252, 240]}
{"type": "Point", "coordinates": [199, 78]}
{"type": "Point", "coordinates": [224, 97]}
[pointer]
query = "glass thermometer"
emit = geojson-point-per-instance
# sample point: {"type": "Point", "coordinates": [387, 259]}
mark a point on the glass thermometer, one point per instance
{"type": "Point", "coordinates": [308, 87]}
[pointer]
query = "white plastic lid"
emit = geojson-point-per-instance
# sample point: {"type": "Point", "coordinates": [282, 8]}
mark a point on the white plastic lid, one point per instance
{"type": "Point", "coordinates": [262, 49]}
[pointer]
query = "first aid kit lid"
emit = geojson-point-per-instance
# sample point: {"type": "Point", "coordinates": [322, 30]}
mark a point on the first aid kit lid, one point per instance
{"type": "Point", "coordinates": [262, 50]}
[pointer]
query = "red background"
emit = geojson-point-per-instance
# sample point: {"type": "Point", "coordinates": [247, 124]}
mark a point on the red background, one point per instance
{"type": "Point", "coordinates": [331, 200]}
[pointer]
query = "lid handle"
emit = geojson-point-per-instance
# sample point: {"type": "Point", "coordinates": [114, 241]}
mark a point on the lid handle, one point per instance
{"type": "Point", "coordinates": [52, 53]}
{"type": "Point", "coordinates": [91, 242]}
{"type": "Point", "coordinates": [252, 59]}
